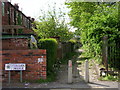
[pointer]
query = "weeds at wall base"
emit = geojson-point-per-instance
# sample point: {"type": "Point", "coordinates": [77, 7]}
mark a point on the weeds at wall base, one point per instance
{"type": "Point", "coordinates": [109, 78]}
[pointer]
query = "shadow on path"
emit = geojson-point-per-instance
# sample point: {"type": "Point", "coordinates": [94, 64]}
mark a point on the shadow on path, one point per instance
{"type": "Point", "coordinates": [62, 79]}
{"type": "Point", "coordinates": [99, 84]}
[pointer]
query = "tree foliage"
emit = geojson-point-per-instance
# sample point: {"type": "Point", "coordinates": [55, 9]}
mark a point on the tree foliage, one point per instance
{"type": "Point", "coordinates": [93, 21]}
{"type": "Point", "coordinates": [51, 24]}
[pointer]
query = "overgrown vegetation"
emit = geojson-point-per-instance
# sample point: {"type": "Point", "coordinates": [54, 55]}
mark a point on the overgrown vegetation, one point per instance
{"type": "Point", "coordinates": [51, 24]}
{"type": "Point", "coordinates": [53, 65]}
{"type": "Point", "coordinates": [93, 21]}
{"type": "Point", "coordinates": [109, 78]}
{"type": "Point", "coordinates": [72, 41]}
{"type": "Point", "coordinates": [50, 78]}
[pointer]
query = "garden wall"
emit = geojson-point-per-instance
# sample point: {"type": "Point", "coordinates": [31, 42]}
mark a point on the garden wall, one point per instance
{"type": "Point", "coordinates": [15, 44]}
{"type": "Point", "coordinates": [34, 69]}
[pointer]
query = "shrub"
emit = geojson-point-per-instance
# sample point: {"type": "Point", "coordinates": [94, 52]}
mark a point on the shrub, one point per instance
{"type": "Point", "coordinates": [109, 78]}
{"type": "Point", "coordinates": [51, 47]}
{"type": "Point", "coordinates": [72, 41]}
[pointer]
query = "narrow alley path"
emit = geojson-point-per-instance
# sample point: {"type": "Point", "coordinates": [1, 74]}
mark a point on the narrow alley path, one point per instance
{"type": "Point", "coordinates": [78, 79]}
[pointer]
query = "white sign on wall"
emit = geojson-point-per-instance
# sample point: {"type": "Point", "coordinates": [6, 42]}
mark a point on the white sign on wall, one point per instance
{"type": "Point", "coordinates": [40, 59]}
{"type": "Point", "coordinates": [17, 66]}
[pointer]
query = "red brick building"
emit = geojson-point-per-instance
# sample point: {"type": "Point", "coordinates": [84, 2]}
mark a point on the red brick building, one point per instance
{"type": "Point", "coordinates": [16, 32]}
{"type": "Point", "coordinates": [16, 27]}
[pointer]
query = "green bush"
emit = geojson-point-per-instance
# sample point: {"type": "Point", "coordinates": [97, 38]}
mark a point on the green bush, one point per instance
{"type": "Point", "coordinates": [109, 78]}
{"type": "Point", "coordinates": [51, 47]}
{"type": "Point", "coordinates": [72, 41]}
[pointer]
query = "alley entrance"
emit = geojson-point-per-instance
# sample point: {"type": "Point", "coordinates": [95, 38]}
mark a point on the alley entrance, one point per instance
{"type": "Point", "coordinates": [78, 78]}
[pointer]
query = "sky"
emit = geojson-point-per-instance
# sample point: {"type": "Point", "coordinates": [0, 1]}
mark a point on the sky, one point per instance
{"type": "Point", "coordinates": [32, 7]}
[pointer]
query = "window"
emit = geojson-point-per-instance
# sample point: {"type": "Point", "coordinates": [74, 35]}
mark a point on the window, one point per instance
{"type": "Point", "coordinates": [13, 16]}
{"type": "Point", "coordinates": [16, 17]}
{"type": "Point", "coordinates": [3, 8]}
{"type": "Point", "coordinates": [10, 12]}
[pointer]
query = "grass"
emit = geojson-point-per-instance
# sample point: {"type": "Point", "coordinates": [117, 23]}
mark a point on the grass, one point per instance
{"type": "Point", "coordinates": [49, 79]}
{"type": "Point", "coordinates": [98, 60]}
{"type": "Point", "coordinates": [109, 78]}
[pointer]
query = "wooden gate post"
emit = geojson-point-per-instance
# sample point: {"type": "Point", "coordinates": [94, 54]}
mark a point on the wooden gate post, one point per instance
{"type": "Point", "coordinates": [105, 51]}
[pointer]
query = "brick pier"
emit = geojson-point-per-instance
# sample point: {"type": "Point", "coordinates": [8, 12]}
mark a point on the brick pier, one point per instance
{"type": "Point", "coordinates": [34, 69]}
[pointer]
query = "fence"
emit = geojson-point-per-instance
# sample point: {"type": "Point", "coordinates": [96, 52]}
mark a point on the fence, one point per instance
{"type": "Point", "coordinates": [114, 54]}
{"type": "Point", "coordinates": [64, 49]}
{"type": "Point", "coordinates": [111, 53]}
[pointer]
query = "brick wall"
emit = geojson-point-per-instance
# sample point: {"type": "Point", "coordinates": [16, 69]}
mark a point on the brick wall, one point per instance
{"type": "Point", "coordinates": [5, 17]}
{"type": "Point", "coordinates": [34, 70]}
{"type": "Point", "coordinates": [10, 17]}
{"type": "Point", "coordinates": [26, 31]}
{"type": "Point", "coordinates": [16, 44]}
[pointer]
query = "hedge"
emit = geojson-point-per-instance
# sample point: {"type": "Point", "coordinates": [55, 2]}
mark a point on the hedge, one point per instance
{"type": "Point", "coordinates": [51, 47]}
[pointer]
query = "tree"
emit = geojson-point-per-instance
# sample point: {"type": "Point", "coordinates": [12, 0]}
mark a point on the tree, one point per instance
{"type": "Point", "coordinates": [93, 21]}
{"type": "Point", "coordinates": [52, 24]}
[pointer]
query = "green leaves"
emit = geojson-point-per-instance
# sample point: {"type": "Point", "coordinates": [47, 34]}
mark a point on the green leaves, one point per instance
{"type": "Point", "coordinates": [52, 24]}
{"type": "Point", "coordinates": [51, 46]}
{"type": "Point", "coordinates": [94, 21]}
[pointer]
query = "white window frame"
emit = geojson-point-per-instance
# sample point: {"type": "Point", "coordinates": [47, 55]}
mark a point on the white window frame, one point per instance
{"type": "Point", "coordinates": [3, 8]}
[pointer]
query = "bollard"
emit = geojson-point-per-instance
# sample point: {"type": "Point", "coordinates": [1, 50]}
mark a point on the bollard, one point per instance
{"type": "Point", "coordinates": [118, 85]}
{"type": "Point", "coordinates": [86, 71]}
{"type": "Point", "coordinates": [69, 71]}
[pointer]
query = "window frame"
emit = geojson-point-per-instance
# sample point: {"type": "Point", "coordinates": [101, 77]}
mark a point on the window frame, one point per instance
{"type": "Point", "coordinates": [3, 9]}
